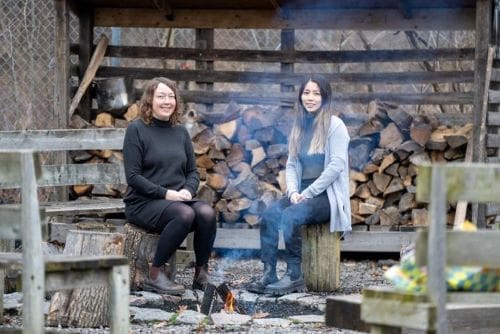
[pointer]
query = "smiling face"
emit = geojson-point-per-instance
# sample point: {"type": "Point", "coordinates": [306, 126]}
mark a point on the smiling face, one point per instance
{"type": "Point", "coordinates": [164, 102]}
{"type": "Point", "coordinates": [311, 97]}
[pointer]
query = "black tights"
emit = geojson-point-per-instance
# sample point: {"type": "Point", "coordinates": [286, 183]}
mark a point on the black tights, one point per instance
{"type": "Point", "coordinates": [175, 223]}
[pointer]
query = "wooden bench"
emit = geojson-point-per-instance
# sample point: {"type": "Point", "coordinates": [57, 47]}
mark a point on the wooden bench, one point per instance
{"type": "Point", "coordinates": [42, 273]}
{"type": "Point", "coordinates": [68, 174]}
{"type": "Point", "coordinates": [436, 310]}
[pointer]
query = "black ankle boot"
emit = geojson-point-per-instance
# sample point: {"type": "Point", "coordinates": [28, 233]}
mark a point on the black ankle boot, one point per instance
{"type": "Point", "coordinates": [268, 277]}
{"type": "Point", "coordinates": [201, 277]}
{"type": "Point", "coordinates": [293, 281]}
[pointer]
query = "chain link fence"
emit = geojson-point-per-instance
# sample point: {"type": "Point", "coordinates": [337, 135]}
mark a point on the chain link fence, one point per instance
{"type": "Point", "coordinates": [27, 62]}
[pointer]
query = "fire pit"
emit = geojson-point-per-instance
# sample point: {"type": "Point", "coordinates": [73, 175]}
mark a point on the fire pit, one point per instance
{"type": "Point", "coordinates": [210, 297]}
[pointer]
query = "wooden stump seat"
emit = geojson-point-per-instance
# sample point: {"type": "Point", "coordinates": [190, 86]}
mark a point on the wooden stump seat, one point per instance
{"type": "Point", "coordinates": [140, 247]}
{"type": "Point", "coordinates": [85, 307]}
{"type": "Point", "coordinates": [320, 257]}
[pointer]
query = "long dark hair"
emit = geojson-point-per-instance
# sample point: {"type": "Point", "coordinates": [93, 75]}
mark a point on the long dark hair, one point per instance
{"type": "Point", "coordinates": [146, 103]}
{"type": "Point", "coordinates": [321, 120]}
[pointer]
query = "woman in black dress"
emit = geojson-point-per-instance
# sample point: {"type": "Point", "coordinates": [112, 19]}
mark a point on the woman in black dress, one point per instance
{"type": "Point", "coordinates": [162, 181]}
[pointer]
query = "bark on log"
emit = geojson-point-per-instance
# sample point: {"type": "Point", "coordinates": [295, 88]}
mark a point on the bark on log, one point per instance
{"type": "Point", "coordinates": [140, 247]}
{"type": "Point", "coordinates": [320, 257]}
{"type": "Point", "coordinates": [86, 307]}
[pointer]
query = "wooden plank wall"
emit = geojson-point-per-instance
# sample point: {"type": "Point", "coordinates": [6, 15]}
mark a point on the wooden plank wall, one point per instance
{"type": "Point", "coordinates": [205, 56]}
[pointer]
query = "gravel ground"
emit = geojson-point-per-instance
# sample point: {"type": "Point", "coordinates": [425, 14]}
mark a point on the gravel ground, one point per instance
{"type": "Point", "coordinates": [237, 274]}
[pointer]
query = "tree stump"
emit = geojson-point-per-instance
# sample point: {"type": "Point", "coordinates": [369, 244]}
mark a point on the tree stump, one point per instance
{"type": "Point", "coordinates": [140, 247]}
{"type": "Point", "coordinates": [320, 257]}
{"type": "Point", "coordinates": [85, 307]}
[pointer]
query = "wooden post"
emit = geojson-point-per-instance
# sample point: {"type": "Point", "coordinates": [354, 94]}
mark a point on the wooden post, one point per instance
{"type": "Point", "coordinates": [33, 266]}
{"type": "Point", "coordinates": [320, 257]}
{"type": "Point", "coordinates": [119, 291]}
{"type": "Point", "coordinates": [205, 40]}
{"type": "Point", "coordinates": [436, 250]}
{"type": "Point", "coordinates": [287, 45]}
{"type": "Point", "coordinates": [483, 34]}
{"type": "Point", "coordinates": [62, 81]}
{"type": "Point", "coordinates": [86, 35]}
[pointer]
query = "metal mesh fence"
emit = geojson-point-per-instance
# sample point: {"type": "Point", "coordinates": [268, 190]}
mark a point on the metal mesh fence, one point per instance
{"type": "Point", "coordinates": [27, 31]}
{"type": "Point", "coordinates": [26, 64]}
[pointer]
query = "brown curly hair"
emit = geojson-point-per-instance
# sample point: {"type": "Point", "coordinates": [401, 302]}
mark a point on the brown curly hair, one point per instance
{"type": "Point", "coordinates": [146, 103]}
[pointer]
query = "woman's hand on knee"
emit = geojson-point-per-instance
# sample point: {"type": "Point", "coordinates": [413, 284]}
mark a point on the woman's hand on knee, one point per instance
{"type": "Point", "coordinates": [296, 198]}
{"type": "Point", "coordinates": [174, 195]}
{"type": "Point", "coordinates": [186, 194]}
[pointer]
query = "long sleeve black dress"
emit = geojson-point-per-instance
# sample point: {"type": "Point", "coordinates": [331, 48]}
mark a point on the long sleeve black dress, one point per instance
{"type": "Point", "coordinates": [157, 157]}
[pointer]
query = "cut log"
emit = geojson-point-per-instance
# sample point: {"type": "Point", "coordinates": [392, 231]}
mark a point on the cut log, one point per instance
{"type": "Point", "coordinates": [86, 307]}
{"type": "Point", "coordinates": [257, 118]}
{"type": "Point", "coordinates": [395, 186]}
{"type": "Point", "coordinates": [419, 217]}
{"type": "Point", "coordinates": [236, 155]}
{"type": "Point", "coordinates": [251, 219]}
{"type": "Point", "coordinates": [371, 127]}
{"type": "Point", "coordinates": [359, 151]}
{"type": "Point", "coordinates": [391, 136]}
{"type": "Point", "coordinates": [401, 118]}
{"type": "Point", "coordinates": [215, 154]}
{"type": "Point", "coordinates": [105, 120]}
{"type": "Point", "coordinates": [277, 150]}
{"type": "Point", "coordinates": [77, 122]}
{"type": "Point", "coordinates": [140, 247]}
{"type": "Point", "coordinates": [82, 189]}
{"type": "Point", "coordinates": [216, 181]}
{"type": "Point", "coordinates": [390, 216]}
{"type": "Point", "coordinates": [227, 129]}
{"type": "Point", "coordinates": [381, 181]}
{"type": "Point", "coordinates": [222, 143]}
{"type": "Point", "coordinates": [460, 137]}
{"type": "Point", "coordinates": [239, 204]}
{"type": "Point", "coordinates": [132, 112]}
{"type": "Point", "coordinates": [258, 155]}
{"type": "Point", "coordinates": [320, 257]}
{"type": "Point", "coordinates": [207, 194]}
{"type": "Point", "coordinates": [232, 112]}
{"type": "Point", "coordinates": [357, 176]}
{"type": "Point", "coordinates": [367, 209]}
{"type": "Point", "coordinates": [420, 130]}
{"type": "Point", "coordinates": [204, 161]}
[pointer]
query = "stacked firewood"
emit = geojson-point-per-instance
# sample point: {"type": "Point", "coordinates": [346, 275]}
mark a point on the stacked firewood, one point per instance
{"type": "Point", "coordinates": [383, 160]}
{"type": "Point", "coordinates": [241, 156]}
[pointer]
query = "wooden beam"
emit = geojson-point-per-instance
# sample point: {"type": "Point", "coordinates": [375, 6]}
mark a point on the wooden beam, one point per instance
{"type": "Point", "coordinates": [459, 245]}
{"type": "Point", "coordinates": [361, 19]}
{"type": "Point", "coordinates": [289, 99]}
{"type": "Point", "coordinates": [289, 78]}
{"type": "Point", "coordinates": [63, 140]}
{"type": "Point", "coordinates": [376, 242]}
{"type": "Point", "coordinates": [345, 56]}
{"type": "Point", "coordinates": [70, 174]}
{"type": "Point", "coordinates": [473, 182]}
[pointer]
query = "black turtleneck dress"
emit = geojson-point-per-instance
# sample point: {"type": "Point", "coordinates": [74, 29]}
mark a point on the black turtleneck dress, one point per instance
{"type": "Point", "coordinates": [157, 157]}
